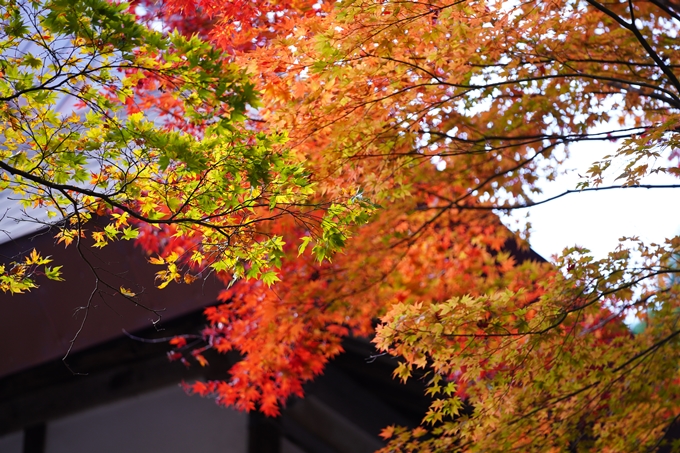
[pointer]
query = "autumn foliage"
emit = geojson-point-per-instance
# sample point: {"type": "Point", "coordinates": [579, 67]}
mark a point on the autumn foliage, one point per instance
{"type": "Point", "coordinates": [441, 113]}
{"type": "Point", "coordinates": [409, 128]}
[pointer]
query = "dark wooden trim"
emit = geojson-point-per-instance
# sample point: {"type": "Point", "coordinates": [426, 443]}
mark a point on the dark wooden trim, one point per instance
{"type": "Point", "coordinates": [34, 438]}
{"type": "Point", "coordinates": [264, 433]}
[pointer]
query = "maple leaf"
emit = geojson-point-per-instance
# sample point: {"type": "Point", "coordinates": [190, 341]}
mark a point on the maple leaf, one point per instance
{"type": "Point", "coordinates": [178, 342]}
{"type": "Point", "coordinates": [200, 359]}
{"type": "Point", "coordinates": [126, 292]}
{"type": "Point", "coordinates": [388, 432]}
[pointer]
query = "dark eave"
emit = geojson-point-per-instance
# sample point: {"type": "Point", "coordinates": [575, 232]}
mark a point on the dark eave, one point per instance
{"type": "Point", "coordinates": [37, 327]}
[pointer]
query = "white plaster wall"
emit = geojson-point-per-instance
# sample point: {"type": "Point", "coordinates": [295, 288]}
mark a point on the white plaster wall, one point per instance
{"type": "Point", "coordinates": [12, 443]}
{"type": "Point", "coordinates": [164, 421]}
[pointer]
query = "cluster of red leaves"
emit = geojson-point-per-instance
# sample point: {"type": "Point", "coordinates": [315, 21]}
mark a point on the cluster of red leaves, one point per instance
{"type": "Point", "coordinates": [285, 333]}
{"type": "Point", "coordinates": [234, 25]}
{"type": "Point", "coordinates": [163, 241]}
{"type": "Point", "coordinates": [284, 342]}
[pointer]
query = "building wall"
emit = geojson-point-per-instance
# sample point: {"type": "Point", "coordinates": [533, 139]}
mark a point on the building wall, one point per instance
{"type": "Point", "coordinates": [166, 420]}
{"type": "Point", "coordinates": [11, 443]}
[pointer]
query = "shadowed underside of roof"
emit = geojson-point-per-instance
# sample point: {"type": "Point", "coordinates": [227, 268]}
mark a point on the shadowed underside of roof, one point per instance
{"type": "Point", "coordinates": [38, 326]}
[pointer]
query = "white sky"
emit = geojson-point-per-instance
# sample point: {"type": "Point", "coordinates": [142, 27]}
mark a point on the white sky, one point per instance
{"type": "Point", "coordinates": [597, 220]}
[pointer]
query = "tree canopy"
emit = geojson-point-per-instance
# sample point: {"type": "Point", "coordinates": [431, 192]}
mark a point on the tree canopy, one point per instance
{"type": "Point", "coordinates": [441, 115]}
{"type": "Point", "coordinates": [78, 142]}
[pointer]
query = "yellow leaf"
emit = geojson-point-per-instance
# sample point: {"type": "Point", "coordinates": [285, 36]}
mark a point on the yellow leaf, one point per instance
{"type": "Point", "coordinates": [172, 257]}
{"type": "Point", "coordinates": [158, 260]}
{"type": "Point", "coordinates": [126, 292]}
